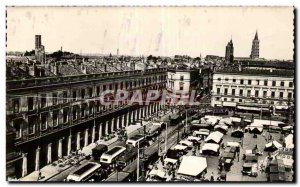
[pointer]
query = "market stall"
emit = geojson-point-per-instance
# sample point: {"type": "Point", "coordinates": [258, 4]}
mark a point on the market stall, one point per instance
{"type": "Point", "coordinates": [210, 149]}
{"type": "Point", "coordinates": [272, 146]}
{"type": "Point", "coordinates": [214, 137]}
{"type": "Point", "coordinates": [193, 166]}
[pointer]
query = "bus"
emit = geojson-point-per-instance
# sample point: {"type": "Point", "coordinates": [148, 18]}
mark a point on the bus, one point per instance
{"type": "Point", "coordinates": [112, 155]}
{"type": "Point", "coordinates": [85, 173]}
{"type": "Point", "coordinates": [99, 150]}
{"type": "Point", "coordinates": [135, 140]}
{"type": "Point", "coordinates": [153, 131]}
{"type": "Point", "coordinates": [127, 158]}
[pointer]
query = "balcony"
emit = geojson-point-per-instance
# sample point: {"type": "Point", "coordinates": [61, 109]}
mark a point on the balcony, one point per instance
{"type": "Point", "coordinates": [62, 126]}
{"type": "Point", "coordinates": [48, 81]}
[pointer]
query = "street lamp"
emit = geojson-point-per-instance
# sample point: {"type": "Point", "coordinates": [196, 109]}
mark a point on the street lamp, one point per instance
{"type": "Point", "coordinates": [166, 137]}
{"type": "Point", "coordinates": [138, 156]}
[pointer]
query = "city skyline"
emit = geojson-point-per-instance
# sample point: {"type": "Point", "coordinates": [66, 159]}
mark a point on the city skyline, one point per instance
{"type": "Point", "coordinates": [127, 29]}
{"type": "Point", "coordinates": [140, 118]}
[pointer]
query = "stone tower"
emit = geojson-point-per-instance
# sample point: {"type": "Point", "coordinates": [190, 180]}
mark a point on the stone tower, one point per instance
{"type": "Point", "coordinates": [255, 47]}
{"type": "Point", "coordinates": [229, 52]}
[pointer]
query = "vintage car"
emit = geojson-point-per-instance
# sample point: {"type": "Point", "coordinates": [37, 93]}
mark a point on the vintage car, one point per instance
{"type": "Point", "coordinates": [250, 169]}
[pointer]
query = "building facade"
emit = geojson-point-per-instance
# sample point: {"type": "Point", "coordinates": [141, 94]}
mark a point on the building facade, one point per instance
{"type": "Point", "coordinates": [255, 47]}
{"type": "Point", "coordinates": [182, 80]}
{"type": "Point", "coordinates": [54, 116]}
{"type": "Point", "coordinates": [252, 89]}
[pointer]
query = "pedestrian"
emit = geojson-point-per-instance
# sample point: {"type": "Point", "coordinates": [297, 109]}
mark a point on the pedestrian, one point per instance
{"type": "Point", "coordinates": [221, 167]}
{"type": "Point", "coordinates": [244, 156]}
{"type": "Point", "coordinates": [40, 175]}
{"type": "Point", "coordinates": [212, 178]}
{"type": "Point", "coordinates": [173, 174]}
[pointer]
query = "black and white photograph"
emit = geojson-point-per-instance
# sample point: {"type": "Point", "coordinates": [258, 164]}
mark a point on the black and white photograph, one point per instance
{"type": "Point", "coordinates": [173, 94]}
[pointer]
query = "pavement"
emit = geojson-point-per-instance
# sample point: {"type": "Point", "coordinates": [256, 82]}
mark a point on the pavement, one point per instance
{"type": "Point", "coordinates": [131, 130]}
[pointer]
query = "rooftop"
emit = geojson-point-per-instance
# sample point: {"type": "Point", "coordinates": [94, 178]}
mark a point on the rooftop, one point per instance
{"type": "Point", "coordinates": [269, 64]}
{"type": "Point", "coordinates": [264, 72]}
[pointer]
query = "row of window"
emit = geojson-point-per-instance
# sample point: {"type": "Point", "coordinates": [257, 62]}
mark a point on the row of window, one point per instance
{"type": "Point", "coordinates": [259, 82]}
{"type": "Point", "coordinates": [58, 117]}
{"type": "Point", "coordinates": [62, 97]}
{"type": "Point", "coordinates": [239, 100]}
{"type": "Point", "coordinates": [256, 93]}
{"type": "Point", "coordinates": [171, 85]}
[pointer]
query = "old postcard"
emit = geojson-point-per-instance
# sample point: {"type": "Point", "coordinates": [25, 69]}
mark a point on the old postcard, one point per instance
{"type": "Point", "coordinates": [150, 94]}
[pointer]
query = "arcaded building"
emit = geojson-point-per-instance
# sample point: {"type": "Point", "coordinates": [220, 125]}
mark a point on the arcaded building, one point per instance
{"type": "Point", "coordinates": [54, 109]}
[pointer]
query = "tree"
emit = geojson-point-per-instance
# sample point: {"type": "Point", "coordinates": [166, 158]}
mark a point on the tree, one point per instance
{"type": "Point", "coordinates": [149, 57]}
{"type": "Point", "coordinates": [29, 53]}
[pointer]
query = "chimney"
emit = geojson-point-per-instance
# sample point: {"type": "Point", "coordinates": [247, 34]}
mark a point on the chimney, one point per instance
{"type": "Point", "coordinates": [105, 67]}
{"type": "Point", "coordinates": [240, 67]}
{"type": "Point", "coordinates": [83, 68]}
{"type": "Point", "coordinates": [132, 66]}
{"type": "Point", "coordinates": [54, 69]}
{"type": "Point", "coordinates": [32, 70]}
{"type": "Point", "coordinates": [27, 69]}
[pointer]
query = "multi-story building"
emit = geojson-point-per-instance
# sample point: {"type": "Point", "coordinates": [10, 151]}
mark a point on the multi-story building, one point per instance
{"type": "Point", "coordinates": [59, 112]}
{"type": "Point", "coordinates": [255, 47]}
{"type": "Point", "coordinates": [181, 80]}
{"type": "Point", "coordinates": [229, 52]}
{"type": "Point", "coordinates": [253, 88]}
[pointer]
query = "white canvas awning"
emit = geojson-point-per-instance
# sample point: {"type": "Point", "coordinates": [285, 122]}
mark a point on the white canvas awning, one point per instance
{"type": "Point", "coordinates": [287, 127]}
{"type": "Point", "coordinates": [186, 142]}
{"type": "Point", "coordinates": [211, 146]}
{"type": "Point", "coordinates": [192, 165]}
{"type": "Point", "coordinates": [257, 126]}
{"type": "Point", "coordinates": [201, 133]}
{"type": "Point", "coordinates": [281, 106]}
{"type": "Point", "coordinates": [267, 122]}
{"type": "Point", "coordinates": [230, 104]}
{"type": "Point", "coordinates": [235, 119]}
{"type": "Point", "coordinates": [195, 122]}
{"type": "Point", "coordinates": [170, 160]}
{"type": "Point", "coordinates": [251, 108]}
{"type": "Point", "coordinates": [233, 144]}
{"type": "Point", "coordinates": [191, 138]}
{"type": "Point", "coordinates": [224, 127]}
{"type": "Point", "coordinates": [249, 152]}
{"type": "Point", "coordinates": [180, 147]}
{"type": "Point", "coordinates": [260, 129]}
{"type": "Point", "coordinates": [289, 142]}
{"type": "Point", "coordinates": [214, 136]}
{"type": "Point", "coordinates": [227, 121]}
{"type": "Point", "coordinates": [274, 143]}
{"type": "Point", "coordinates": [157, 172]}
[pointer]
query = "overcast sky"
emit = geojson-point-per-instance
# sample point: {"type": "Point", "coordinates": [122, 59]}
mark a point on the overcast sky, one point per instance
{"type": "Point", "coordinates": [163, 31]}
